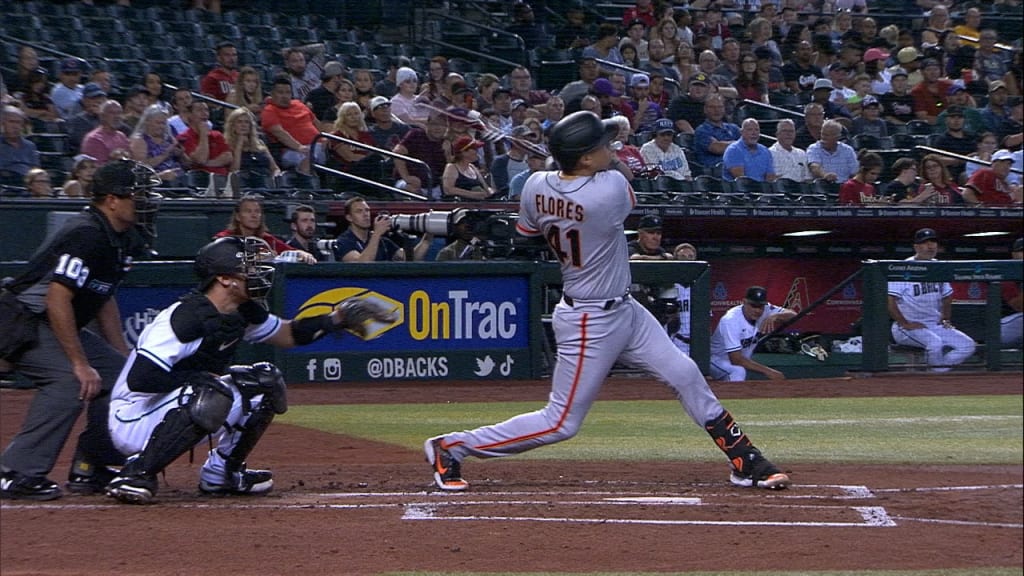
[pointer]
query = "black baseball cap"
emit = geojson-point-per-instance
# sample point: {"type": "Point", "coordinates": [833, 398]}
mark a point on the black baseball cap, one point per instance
{"type": "Point", "coordinates": [955, 111]}
{"type": "Point", "coordinates": [757, 295]}
{"type": "Point", "coordinates": [924, 235]}
{"type": "Point", "coordinates": [650, 222]}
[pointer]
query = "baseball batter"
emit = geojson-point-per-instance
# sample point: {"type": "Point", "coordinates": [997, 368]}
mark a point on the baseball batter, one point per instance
{"type": "Point", "coordinates": [921, 313]}
{"type": "Point", "coordinates": [168, 396]}
{"type": "Point", "coordinates": [580, 212]}
{"type": "Point", "coordinates": [737, 335]}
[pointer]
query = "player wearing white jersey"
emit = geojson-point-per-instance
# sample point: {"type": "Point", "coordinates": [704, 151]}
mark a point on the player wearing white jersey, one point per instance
{"type": "Point", "coordinates": [678, 327]}
{"type": "Point", "coordinates": [580, 212]}
{"type": "Point", "coordinates": [921, 313]}
{"type": "Point", "coordinates": [1011, 326]}
{"type": "Point", "coordinates": [169, 397]}
{"type": "Point", "coordinates": [737, 335]}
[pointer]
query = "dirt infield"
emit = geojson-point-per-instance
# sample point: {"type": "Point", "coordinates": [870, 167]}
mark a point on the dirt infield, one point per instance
{"type": "Point", "coordinates": [348, 506]}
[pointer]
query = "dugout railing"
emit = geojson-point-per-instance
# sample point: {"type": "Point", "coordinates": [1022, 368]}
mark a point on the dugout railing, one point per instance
{"type": "Point", "coordinates": [876, 321]}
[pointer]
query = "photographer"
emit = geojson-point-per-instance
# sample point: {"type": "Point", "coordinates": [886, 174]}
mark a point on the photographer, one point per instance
{"type": "Point", "coordinates": [466, 245]}
{"type": "Point", "coordinates": [303, 224]}
{"type": "Point", "coordinates": [364, 240]}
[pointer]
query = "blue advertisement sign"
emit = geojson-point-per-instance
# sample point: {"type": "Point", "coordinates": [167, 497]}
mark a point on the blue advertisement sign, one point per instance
{"type": "Point", "coordinates": [432, 314]}
{"type": "Point", "coordinates": [140, 304]}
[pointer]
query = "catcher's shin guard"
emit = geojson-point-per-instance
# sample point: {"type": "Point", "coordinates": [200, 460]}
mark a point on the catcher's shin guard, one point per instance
{"type": "Point", "coordinates": [248, 435]}
{"type": "Point", "coordinates": [729, 438]}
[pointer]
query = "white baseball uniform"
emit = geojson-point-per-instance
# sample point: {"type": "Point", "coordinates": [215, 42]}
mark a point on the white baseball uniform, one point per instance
{"type": "Point", "coordinates": [134, 415]}
{"type": "Point", "coordinates": [735, 332]}
{"type": "Point", "coordinates": [681, 337]}
{"type": "Point", "coordinates": [944, 346]}
{"type": "Point", "coordinates": [596, 323]}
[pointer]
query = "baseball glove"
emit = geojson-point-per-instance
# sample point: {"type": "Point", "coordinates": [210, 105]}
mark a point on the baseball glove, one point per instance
{"type": "Point", "coordinates": [356, 315]}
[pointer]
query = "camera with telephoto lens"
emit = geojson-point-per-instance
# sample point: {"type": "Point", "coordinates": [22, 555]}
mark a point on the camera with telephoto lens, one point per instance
{"type": "Point", "coordinates": [327, 245]}
{"type": "Point", "coordinates": [493, 230]}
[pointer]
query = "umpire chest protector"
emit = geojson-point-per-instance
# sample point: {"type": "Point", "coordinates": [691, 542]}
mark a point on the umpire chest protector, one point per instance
{"type": "Point", "coordinates": [196, 317]}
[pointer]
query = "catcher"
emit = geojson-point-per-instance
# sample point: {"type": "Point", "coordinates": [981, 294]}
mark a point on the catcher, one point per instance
{"type": "Point", "coordinates": [170, 394]}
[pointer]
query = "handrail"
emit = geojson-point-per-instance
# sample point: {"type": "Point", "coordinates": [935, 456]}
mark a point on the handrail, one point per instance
{"type": "Point", "coordinates": [632, 70]}
{"type": "Point", "coordinates": [392, 189]}
{"type": "Point", "coordinates": [775, 108]}
{"type": "Point", "coordinates": [476, 54]}
{"type": "Point", "coordinates": [948, 154]}
{"type": "Point", "coordinates": [382, 152]}
{"type": "Point", "coordinates": [999, 45]}
{"type": "Point", "coordinates": [491, 29]}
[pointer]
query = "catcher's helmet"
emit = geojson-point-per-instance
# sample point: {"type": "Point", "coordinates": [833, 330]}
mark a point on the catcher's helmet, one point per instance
{"type": "Point", "coordinates": [233, 255]}
{"type": "Point", "coordinates": [577, 134]}
{"type": "Point", "coordinates": [131, 179]}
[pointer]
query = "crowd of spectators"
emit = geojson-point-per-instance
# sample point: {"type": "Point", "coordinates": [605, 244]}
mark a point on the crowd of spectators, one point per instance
{"type": "Point", "coordinates": [684, 76]}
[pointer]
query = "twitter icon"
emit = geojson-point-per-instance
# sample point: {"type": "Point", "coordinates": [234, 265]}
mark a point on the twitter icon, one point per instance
{"type": "Point", "coordinates": [484, 367]}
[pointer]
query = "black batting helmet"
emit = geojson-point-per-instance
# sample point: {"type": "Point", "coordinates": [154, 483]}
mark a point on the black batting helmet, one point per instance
{"type": "Point", "coordinates": [577, 134]}
{"type": "Point", "coordinates": [130, 179]}
{"type": "Point", "coordinates": [234, 255]}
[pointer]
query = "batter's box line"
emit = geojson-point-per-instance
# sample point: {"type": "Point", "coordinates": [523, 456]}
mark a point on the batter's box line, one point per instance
{"type": "Point", "coordinates": [960, 522]}
{"type": "Point", "coordinates": [953, 488]}
{"type": "Point", "coordinates": [872, 516]}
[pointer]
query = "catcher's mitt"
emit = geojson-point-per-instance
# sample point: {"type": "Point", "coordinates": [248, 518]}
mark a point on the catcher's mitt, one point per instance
{"type": "Point", "coordinates": [356, 315]}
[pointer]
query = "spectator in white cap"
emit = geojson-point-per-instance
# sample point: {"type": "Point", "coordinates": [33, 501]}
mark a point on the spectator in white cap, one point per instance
{"type": "Point", "coordinates": [386, 130]}
{"type": "Point", "coordinates": [403, 103]}
{"type": "Point", "coordinates": [990, 187]}
{"type": "Point", "coordinates": [664, 154]}
{"type": "Point", "coordinates": [645, 111]}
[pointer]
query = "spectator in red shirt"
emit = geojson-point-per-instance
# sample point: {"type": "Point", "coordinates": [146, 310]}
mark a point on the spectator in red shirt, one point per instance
{"type": "Point", "coordinates": [860, 189]}
{"type": "Point", "coordinates": [219, 81]}
{"type": "Point", "coordinates": [290, 127]}
{"type": "Point", "coordinates": [989, 186]}
{"type": "Point", "coordinates": [643, 11]}
{"type": "Point", "coordinates": [247, 220]}
{"type": "Point", "coordinates": [206, 148]}
{"type": "Point", "coordinates": [930, 94]}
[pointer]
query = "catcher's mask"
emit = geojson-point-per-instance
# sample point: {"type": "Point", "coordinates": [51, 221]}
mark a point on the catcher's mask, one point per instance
{"type": "Point", "coordinates": [233, 255]}
{"type": "Point", "coordinates": [135, 180]}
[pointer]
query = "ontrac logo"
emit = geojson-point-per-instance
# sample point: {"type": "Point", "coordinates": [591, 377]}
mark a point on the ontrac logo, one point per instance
{"type": "Point", "coordinates": [460, 317]}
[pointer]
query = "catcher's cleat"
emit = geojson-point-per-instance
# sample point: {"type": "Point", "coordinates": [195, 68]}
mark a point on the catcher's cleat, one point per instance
{"type": "Point", "coordinates": [92, 482]}
{"type": "Point", "coordinates": [15, 486]}
{"type": "Point", "coordinates": [242, 483]}
{"type": "Point", "coordinates": [447, 470]}
{"type": "Point", "coordinates": [133, 489]}
{"type": "Point", "coordinates": [754, 470]}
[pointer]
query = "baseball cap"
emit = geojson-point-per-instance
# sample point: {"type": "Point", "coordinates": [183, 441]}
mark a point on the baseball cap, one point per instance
{"type": "Point", "coordinates": [924, 235]}
{"type": "Point", "coordinates": [93, 90]}
{"type": "Point", "coordinates": [465, 142]}
{"type": "Point", "coordinates": [823, 84]}
{"type": "Point", "coordinates": [955, 111]}
{"type": "Point", "coordinates": [664, 125]}
{"type": "Point", "coordinates": [640, 80]}
{"type": "Point", "coordinates": [699, 78]}
{"type": "Point", "coordinates": [757, 295]}
{"type": "Point", "coordinates": [996, 86]}
{"type": "Point", "coordinates": [650, 222]}
{"type": "Point", "coordinates": [603, 87]}
{"type": "Point", "coordinates": [1018, 245]}
{"type": "Point", "coordinates": [955, 88]}
{"type": "Point", "coordinates": [872, 54]}
{"type": "Point", "coordinates": [520, 102]}
{"type": "Point", "coordinates": [907, 55]}
{"type": "Point", "coordinates": [898, 72]}
{"type": "Point", "coordinates": [69, 65]}
{"type": "Point", "coordinates": [404, 74]}
{"type": "Point", "coordinates": [869, 101]}
{"type": "Point", "coordinates": [378, 101]}
{"type": "Point", "coordinates": [930, 62]}
{"type": "Point", "coordinates": [837, 67]}
{"type": "Point", "coordinates": [763, 53]}
{"type": "Point", "coordinates": [79, 159]}
{"type": "Point", "coordinates": [332, 69]}
{"type": "Point", "coordinates": [1003, 154]}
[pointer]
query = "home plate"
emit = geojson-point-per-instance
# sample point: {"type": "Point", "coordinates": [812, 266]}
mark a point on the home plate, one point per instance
{"type": "Point", "coordinates": [667, 500]}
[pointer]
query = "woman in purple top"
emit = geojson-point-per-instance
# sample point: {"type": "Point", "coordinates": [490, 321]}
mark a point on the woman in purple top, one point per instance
{"type": "Point", "coordinates": [152, 144]}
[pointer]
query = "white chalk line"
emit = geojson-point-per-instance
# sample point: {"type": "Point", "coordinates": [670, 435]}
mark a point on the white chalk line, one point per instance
{"type": "Point", "coordinates": [959, 522]}
{"type": "Point", "coordinates": [893, 420]}
{"type": "Point", "coordinates": [953, 488]}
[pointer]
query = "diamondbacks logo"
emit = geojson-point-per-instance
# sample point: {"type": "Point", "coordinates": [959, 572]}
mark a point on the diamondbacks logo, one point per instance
{"type": "Point", "coordinates": [325, 302]}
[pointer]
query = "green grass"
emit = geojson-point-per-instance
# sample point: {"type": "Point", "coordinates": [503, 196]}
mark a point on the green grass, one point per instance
{"type": "Point", "coordinates": [936, 572]}
{"type": "Point", "coordinates": [926, 430]}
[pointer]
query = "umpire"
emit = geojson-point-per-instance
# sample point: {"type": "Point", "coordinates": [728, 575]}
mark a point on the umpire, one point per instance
{"type": "Point", "coordinates": [70, 283]}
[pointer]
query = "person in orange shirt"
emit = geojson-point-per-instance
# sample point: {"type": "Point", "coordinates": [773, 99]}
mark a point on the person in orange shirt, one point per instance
{"type": "Point", "coordinates": [290, 127]}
